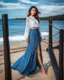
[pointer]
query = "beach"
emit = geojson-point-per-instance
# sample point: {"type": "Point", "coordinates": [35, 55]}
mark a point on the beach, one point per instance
{"type": "Point", "coordinates": [17, 50]}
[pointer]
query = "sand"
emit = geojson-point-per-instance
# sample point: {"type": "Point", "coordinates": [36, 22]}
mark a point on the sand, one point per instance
{"type": "Point", "coordinates": [17, 50]}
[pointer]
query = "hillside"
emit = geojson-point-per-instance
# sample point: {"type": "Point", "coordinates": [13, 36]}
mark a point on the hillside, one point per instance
{"type": "Point", "coordinates": [56, 17]}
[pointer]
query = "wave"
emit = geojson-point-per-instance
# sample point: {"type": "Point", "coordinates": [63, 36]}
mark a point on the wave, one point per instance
{"type": "Point", "coordinates": [21, 37]}
{"type": "Point", "coordinates": [44, 33]}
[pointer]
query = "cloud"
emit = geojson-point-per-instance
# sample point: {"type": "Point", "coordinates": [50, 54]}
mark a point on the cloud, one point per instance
{"type": "Point", "coordinates": [51, 2]}
{"type": "Point", "coordinates": [28, 1]}
{"type": "Point", "coordinates": [45, 10]}
{"type": "Point", "coordinates": [51, 10]}
{"type": "Point", "coordinates": [8, 6]}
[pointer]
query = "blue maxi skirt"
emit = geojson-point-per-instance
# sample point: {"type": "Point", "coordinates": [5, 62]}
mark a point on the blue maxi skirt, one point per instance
{"type": "Point", "coordinates": [27, 64]}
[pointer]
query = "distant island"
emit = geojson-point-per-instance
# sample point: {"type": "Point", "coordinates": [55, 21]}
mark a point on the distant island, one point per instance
{"type": "Point", "coordinates": [56, 17]}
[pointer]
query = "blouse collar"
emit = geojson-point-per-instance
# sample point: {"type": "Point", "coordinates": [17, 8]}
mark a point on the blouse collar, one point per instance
{"type": "Point", "coordinates": [34, 18]}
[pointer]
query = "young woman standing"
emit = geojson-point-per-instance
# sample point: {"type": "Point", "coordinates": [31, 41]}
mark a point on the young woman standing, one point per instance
{"type": "Point", "coordinates": [27, 64]}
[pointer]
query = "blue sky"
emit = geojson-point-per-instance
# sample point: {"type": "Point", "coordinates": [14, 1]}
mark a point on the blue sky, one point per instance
{"type": "Point", "coordinates": [19, 8]}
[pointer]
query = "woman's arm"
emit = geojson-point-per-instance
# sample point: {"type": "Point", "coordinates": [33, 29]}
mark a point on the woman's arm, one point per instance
{"type": "Point", "coordinates": [26, 33]}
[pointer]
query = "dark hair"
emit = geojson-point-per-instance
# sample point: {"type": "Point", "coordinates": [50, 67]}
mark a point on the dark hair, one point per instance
{"type": "Point", "coordinates": [36, 15]}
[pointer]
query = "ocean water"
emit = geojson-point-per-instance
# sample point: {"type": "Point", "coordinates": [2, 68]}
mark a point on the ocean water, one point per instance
{"type": "Point", "coordinates": [16, 30]}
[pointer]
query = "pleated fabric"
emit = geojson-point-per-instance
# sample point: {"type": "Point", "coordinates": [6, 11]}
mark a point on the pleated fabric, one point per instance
{"type": "Point", "coordinates": [27, 64]}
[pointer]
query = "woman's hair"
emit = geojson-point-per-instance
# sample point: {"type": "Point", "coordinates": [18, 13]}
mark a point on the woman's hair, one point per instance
{"type": "Point", "coordinates": [36, 15]}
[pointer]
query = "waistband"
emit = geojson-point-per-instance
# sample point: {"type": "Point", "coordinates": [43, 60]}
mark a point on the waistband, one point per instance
{"type": "Point", "coordinates": [34, 28]}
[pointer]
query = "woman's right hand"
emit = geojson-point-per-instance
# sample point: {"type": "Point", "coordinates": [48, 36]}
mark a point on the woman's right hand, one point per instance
{"type": "Point", "coordinates": [27, 39]}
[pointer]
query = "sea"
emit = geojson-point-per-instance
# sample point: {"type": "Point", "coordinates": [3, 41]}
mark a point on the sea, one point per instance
{"type": "Point", "coordinates": [16, 29]}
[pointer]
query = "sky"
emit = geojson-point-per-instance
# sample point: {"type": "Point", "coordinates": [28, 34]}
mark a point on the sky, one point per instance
{"type": "Point", "coordinates": [19, 8]}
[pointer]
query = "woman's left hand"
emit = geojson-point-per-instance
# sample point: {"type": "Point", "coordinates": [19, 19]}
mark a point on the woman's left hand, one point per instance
{"type": "Point", "coordinates": [41, 38]}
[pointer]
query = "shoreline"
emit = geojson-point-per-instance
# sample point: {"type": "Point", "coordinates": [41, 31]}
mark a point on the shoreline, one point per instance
{"type": "Point", "coordinates": [24, 43]}
{"type": "Point", "coordinates": [13, 42]}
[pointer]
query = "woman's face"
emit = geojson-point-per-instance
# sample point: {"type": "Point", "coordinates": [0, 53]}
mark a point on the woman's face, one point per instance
{"type": "Point", "coordinates": [33, 11]}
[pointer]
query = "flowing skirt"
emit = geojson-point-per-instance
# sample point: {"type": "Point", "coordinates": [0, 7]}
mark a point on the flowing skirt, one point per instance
{"type": "Point", "coordinates": [27, 64]}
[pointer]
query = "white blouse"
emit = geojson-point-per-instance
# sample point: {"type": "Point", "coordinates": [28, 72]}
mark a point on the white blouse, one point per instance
{"type": "Point", "coordinates": [31, 22]}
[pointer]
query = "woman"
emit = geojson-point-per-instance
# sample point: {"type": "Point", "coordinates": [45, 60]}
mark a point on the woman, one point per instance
{"type": "Point", "coordinates": [27, 64]}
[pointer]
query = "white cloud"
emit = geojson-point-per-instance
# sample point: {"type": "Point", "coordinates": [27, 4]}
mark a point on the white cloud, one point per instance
{"type": "Point", "coordinates": [8, 6]}
{"type": "Point", "coordinates": [28, 1]}
{"type": "Point", "coordinates": [51, 8]}
{"type": "Point", "coordinates": [45, 10]}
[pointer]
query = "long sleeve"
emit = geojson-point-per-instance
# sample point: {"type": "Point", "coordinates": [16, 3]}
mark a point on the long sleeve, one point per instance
{"type": "Point", "coordinates": [27, 28]}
